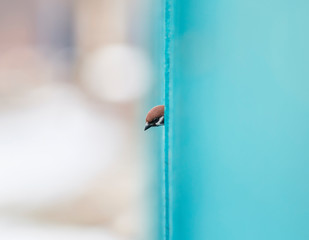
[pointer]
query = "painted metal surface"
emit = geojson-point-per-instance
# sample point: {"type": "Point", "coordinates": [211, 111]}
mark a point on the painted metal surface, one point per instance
{"type": "Point", "coordinates": [237, 134]}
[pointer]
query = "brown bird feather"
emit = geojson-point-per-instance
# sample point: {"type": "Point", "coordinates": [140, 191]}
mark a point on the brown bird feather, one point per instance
{"type": "Point", "coordinates": [155, 112]}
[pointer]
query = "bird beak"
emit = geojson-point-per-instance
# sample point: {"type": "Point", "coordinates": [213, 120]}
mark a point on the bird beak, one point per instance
{"type": "Point", "coordinates": [147, 126]}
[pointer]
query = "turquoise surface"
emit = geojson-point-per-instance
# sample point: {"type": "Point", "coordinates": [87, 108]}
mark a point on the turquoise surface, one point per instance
{"type": "Point", "coordinates": [237, 140]}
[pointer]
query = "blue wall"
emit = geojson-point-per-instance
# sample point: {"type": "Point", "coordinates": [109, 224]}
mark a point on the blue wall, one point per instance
{"type": "Point", "coordinates": [237, 138]}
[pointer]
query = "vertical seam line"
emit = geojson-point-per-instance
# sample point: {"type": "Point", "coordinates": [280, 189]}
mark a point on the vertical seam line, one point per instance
{"type": "Point", "coordinates": [168, 91]}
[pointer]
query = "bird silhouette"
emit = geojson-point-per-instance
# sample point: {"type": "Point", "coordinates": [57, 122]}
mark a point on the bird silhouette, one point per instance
{"type": "Point", "coordinates": [155, 117]}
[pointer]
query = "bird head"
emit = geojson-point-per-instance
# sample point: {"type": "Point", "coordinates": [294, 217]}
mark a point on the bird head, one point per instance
{"type": "Point", "coordinates": [155, 117]}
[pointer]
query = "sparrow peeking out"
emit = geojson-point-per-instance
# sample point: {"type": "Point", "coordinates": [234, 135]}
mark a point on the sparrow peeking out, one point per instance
{"type": "Point", "coordinates": [155, 117]}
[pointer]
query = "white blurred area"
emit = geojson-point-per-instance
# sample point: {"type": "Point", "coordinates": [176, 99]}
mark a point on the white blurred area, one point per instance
{"type": "Point", "coordinates": [73, 77]}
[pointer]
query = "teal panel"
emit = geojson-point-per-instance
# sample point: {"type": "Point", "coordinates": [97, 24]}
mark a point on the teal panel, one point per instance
{"type": "Point", "coordinates": [237, 147]}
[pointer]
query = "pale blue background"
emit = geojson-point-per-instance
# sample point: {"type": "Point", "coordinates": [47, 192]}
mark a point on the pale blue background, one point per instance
{"type": "Point", "coordinates": [240, 120]}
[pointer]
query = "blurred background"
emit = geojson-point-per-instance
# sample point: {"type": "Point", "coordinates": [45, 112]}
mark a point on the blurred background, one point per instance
{"type": "Point", "coordinates": [74, 81]}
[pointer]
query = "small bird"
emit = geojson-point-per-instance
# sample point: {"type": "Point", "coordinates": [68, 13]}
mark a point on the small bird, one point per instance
{"type": "Point", "coordinates": [155, 117]}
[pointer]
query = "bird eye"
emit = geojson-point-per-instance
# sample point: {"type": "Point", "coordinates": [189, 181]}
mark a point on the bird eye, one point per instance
{"type": "Point", "coordinates": [155, 119]}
